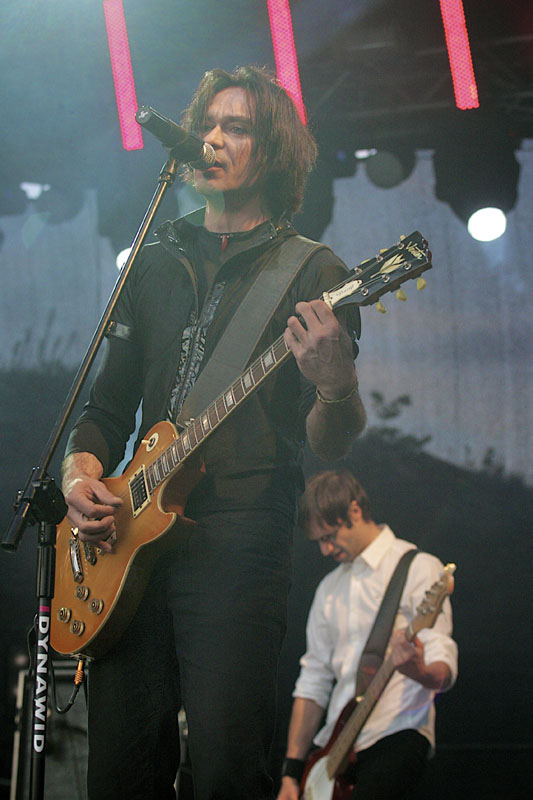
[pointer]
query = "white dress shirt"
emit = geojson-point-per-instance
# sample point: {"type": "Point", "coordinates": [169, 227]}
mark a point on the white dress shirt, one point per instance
{"type": "Point", "coordinates": [341, 617]}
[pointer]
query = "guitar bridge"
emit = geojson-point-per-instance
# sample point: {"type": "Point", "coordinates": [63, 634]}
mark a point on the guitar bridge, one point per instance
{"type": "Point", "coordinates": [139, 494]}
{"type": "Point", "coordinates": [75, 560]}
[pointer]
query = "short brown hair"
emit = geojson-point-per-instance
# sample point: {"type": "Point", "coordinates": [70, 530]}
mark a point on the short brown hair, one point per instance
{"type": "Point", "coordinates": [284, 150]}
{"type": "Point", "coordinates": [327, 498]}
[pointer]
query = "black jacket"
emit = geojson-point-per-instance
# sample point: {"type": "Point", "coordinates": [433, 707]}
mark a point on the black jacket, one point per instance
{"type": "Point", "coordinates": [251, 460]}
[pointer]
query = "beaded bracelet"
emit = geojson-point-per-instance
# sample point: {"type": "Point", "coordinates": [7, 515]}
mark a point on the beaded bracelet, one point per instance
{"type": "Point", "coordinates": [340, 400]}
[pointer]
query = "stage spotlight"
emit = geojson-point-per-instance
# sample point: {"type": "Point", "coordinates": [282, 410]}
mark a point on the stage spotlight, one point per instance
{"type": "Point", "coordinates": [487, 224]}
{"type": "Point", "coordinates": [363, 154]}
{"type": "Point", "coordinates": [389, 167]}
{"type": "Point", "coordinates": [478, 171]}
{"type": "Point", "coordinates": [34, 190]}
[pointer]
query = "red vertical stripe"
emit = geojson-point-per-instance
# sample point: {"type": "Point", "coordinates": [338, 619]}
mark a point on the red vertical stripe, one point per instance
{"type": "Point", "coordinates": [119, 52]}
{"type": "Point", "coordinates": [285, 51]}
{"type": "Point", "coordinates": [464, 81]}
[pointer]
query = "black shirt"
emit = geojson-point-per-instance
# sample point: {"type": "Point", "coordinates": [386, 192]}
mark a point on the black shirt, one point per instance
{"type": "Point", "coordinates": [252, 460]}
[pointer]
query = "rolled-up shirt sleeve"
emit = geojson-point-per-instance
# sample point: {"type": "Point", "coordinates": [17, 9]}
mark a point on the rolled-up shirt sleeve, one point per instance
{"type": "Point", "coordinates": [438, 644]}
{"type": "Point", "coordinates": [316, 675]}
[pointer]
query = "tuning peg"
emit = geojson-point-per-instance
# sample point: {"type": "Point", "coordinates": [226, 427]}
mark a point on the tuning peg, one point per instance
{"type": "Point", "coordinates": [380, 307]}
{"type": "Point", "coordinates": [421, 284]}
{"type": "Point", "coordinates": [400, 295]}
{"type": "Point", "coordinates": [402, 237]}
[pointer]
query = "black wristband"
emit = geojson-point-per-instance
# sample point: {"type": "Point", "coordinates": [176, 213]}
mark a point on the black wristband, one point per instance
{"type": "Point", "coordinates": [293, 768]}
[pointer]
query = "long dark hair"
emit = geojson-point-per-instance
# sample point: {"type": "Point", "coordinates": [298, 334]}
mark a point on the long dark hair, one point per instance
{"type": "Point", "coordinates": [284, 150]}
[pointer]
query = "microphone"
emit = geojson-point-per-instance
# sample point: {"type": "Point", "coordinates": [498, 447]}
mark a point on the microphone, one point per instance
{"type": "Point", "coordinates": [186, 146]}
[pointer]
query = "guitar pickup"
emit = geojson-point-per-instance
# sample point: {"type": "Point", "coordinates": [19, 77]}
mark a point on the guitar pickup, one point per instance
{"type": "Point", "coordinates": [90, 553]}
{"type": "Point", "coordinates": [139, 494]}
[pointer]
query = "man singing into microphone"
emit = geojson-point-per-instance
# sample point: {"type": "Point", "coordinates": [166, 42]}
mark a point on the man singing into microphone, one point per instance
{"type": "Point", "coordinates": [209, 628]}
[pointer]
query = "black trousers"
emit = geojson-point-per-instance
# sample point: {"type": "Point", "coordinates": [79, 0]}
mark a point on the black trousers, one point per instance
{"type": "Point", "coordinates": [207, 635]}
{"type": "Point", "coordinates": [392, 768]}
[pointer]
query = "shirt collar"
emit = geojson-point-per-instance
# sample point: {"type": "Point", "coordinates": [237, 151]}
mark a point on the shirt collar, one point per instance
{"type": "Point", "coordinates": [180, 233]}
{"type": "Point", "coordinates": [375, 551]}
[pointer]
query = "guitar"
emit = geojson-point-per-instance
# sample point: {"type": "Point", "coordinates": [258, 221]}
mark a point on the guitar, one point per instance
{"type": "Point", "coordinates": [97, 593]}
{"type": "Point", "coordinates": [324, 776]}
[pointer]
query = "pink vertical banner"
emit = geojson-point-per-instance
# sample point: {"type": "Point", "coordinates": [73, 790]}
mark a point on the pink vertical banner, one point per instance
{"type": "Point", "coordinates": [119, 51]}
{"type": "Point", "coordinates": [460, 57]}
{"type": "Point", "coordinates": [285, 51]}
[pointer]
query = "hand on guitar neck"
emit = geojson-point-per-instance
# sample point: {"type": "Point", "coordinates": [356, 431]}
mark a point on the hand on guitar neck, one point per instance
{"type": "Point", "coordinates": [323, 351]}
{"type": "Point", "coordinates": [408, 658]}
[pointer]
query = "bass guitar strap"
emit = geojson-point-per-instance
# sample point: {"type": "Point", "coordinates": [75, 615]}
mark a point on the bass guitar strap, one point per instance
{"type": "Point", "coordinates": [379, 636]}
{"type": "Point", "coordinates": [243, 332]}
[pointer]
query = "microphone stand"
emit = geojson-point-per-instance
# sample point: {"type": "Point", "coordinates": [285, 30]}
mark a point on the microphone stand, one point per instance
{"type": "Point", "coordinates": [41, 501]}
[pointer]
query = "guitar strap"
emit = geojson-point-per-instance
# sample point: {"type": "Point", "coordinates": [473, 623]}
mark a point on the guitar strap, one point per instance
{"type": "Point", "coordinates": [379, 636]}
{"type": "Point", "coordinates": [243, 332]}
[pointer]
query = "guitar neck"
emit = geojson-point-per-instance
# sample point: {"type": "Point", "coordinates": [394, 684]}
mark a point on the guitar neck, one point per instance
{"type": "Point", "coordinates": [343, 744]}
{"type": "Point", "coordinates": [199, 429]}
{"type": "Point", "coordinates": [404, 261]}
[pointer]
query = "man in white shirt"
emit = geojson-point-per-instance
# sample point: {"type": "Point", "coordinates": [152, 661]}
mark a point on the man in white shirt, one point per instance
{"type": "Point", "coordinates": [399, 734]}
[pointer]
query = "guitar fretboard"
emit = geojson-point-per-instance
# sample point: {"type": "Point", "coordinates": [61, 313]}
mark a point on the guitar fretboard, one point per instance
{"type": "Point", "coordinates": [197, 431]}
{"type": "Point", "coordinates": [404, 261]}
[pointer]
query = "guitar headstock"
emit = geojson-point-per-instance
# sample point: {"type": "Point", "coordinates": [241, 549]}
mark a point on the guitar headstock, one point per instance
{"type": "Point", "coordinates": [429, 608]}
{"type": "Point", "coordinates": [405, 260]}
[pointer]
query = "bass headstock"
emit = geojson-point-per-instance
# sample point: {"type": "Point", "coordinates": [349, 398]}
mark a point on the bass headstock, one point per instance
{"type": "Point", "coordinates": [429, 609]}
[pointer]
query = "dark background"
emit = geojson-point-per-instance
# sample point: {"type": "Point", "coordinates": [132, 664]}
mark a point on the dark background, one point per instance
{"type": "Point", "coordinates": [373, 73]}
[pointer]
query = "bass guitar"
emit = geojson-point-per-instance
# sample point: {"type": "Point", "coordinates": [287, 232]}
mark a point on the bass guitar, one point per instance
{"type": "Point", "coordinates": [325, 776]}
{"type": "Point", "coordinates": [96, 593]}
